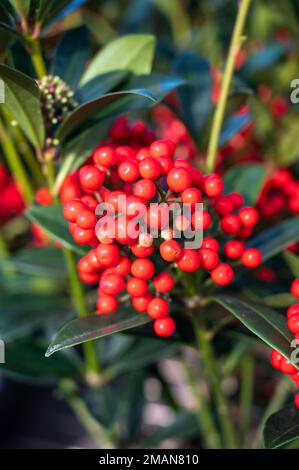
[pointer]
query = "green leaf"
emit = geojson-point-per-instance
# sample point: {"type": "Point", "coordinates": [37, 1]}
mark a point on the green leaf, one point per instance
{"type": "Point", "coordinates": [51, 220]}
{"type": "Point", "coordinates": [25, 361]}
{"type": "Point", "coordinates": [47, 9]}
{"type": "Point", "coordinates": [281, 428]}
{"type": "Point", "coordinates": [246, 179]}
{"type": "Point", "coordinates": [286, 150]}
{"type": "Point", "coordinates": [20, 313]}
{"type": "Point", "coordinates": [133, 53]}
{"type": "Point", "coordinates": [9, 29]}
{"type": "Point", "coordinates": [21, 6]}
{"type": "Point", "coordinates": [274, 240]}
{"type": "Point", "coordinates": [102, 402]}
{"type": "Point", "coordinates": [22, 98]}
{"type": "Point", "coordinates": [293, 262]}
{"type": "Point", "coordinates": [100, 85]}
{"type": "Point", "coordinates": [71, 56]}
{"type": "Point", "coordinates": [94, 327]}
{"type": "Point", "coordinates": [265, 323]}
{"type": "Point", "coordinates": [112, 103]}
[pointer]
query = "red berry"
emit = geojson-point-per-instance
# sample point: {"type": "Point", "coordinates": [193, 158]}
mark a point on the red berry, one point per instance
{"type": "Point", "coordinates": [201, 220]}
{"type": "Point", "coordinates": [90, 202]}
{"type": "Point", "coordinates": [125, 233]}
{"type": "Point", "coordinates": [123, 267]}
{"type": "Point", "coordinates": [146, 189]}
{"type": "Point", "coordinates": [72, 209]}
{"type": "Point", "coordinates": [208, 258]}
{"type": "Point", "coordinates": [143, 269]}
{"type": "Point", "coordinates": [111, 284]}
{"type": "Point", "coordinates": [128, 171]}
{"type": "Point", "coordinates": [89, 278]}
{"type": "Point", "coordinates": [70, 188]}
{"type": "Point", "coordinates": [213, 185]}
{"type": "Point", "coordinates": [84, 266]}
{"type": "Point", "coordinates": [233, 249]}
{"type": "Point", "coordinates": [224, 205]}
{"type": "Point", "coordinates": [296, 400]}
{"type": "Point", "coordinates": [163, 282]}
{"type": "Point", "coordinates": [179, 179]}
{"type": "Point", "coordinates": [293, 310]}
{"type": "Point", "coordinates": [222, 275]}
{"type": "Point", "coordinates": [171, 250]}
{"type": "Point", "coordinates": [293, 323]}
{"type": "Point", "coordinates": [287, 367]}
{"type": "Point", "coordinates": [190, 261]}
{"type": "Point", "coordinates": [106, 304]}
{"type": "Point", "coordinates": [136, 287]}
{"type": "Point", "coordinates": [183, 164]}
{"type": "Point", "coordinates": [142, 251]}
{"type": "Point", "coordinates": [164, 327]}
{"type": "Point", "coordinates": [105, 156]}
{"type": "Point", "coordinates": [158, 308]}
{"type": "Point", "coordinates": [91, 178]}
{"type": "Point", "coordinates": [42, 196]}
{"type": "Point", "coordinates": [93, 260]}
{"type": "Point", "coordinates": [108, 255]}
{"type": "Point", "coordinates": [141, 303]}
{"type": "Point", "coordinates": [295, 288]}
{"type": "Point", "coordinates": [149, 168]}
{"type": "Point", "coordinates": [157, 215]}
{"type": "Point", "coordinates": [210, 243]}
{"type": "Point", "coordinates": [162, 148]}
{"type": "Point", "coordinates": [86, 219]}
{"type": "Point", "coordinates": [165, 165]}
{"type": "Point", "coordinates": [276, 359]}
{"type": "Point", "coordinates": [251, 258]}
{"type": "Point", "coordinates": [230, 224]}
{"type": "Point", "coordinates": [142, 154]}
{"type": "Point", "coordinates": [191, 196]}
{"type": "Point", "coordinates": [249, 216]}
{"type": "Point", "coordinates": [82, 236]}
{"type": "Point", "coordinates": [237, 200]}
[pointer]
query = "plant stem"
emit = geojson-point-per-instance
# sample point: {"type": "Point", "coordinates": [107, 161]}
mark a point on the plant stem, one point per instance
{"type": "Point", "coordinates": [209, 361]}
{"type": "Point", "coordinates": [37, 58]}
{"type": "Point", "coordinates": [246, 394]}
{"type": "Point", "coordinates": [225, 85]}
{"type": "Point", "coordinates": [205, 419]}
{"type": "Point", "coordinates": [15, 164]}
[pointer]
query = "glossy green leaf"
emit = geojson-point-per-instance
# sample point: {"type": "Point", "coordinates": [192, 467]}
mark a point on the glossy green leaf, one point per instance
{"type": "Point", "coordinates": [134, 53]}
{"type": "Point", "coordinates": [22, 98]}
{"type": "Point", "coordinates": [103, 404]}
{"type": "Point", "coordinates": [275, 239]}
{"type": "Point", "coordinates": [246, 179]}
{"type": "Point", "coordinates": [51, 220]}
{"type": "Point", "coordinates": [293, 262]}
{"type": "Point", "coordinates": [93, 327]}
{"type": "Point", "coordinates": [8, 8]}
{"type": "Point", "coordinates": [286, 150]}
{"type": "Point", "coordinates": [265, 323]}
{"type": "Point", "coordinates": [100, 85]}
{"type": "Point", "coordinates": [281, 428]}
{"type": "Point", "coordinates": [20, 313]}
{"type": "Point", "coordinates": [71, 56]}
{"type": "Point", "coordinates": [25, 362]}
{"type": "Point", "coordinates": [47, 9]}
{"type": "Point", "coordinates": [110, 104]}
{"type": "Point", "coordinates": [21, 6]}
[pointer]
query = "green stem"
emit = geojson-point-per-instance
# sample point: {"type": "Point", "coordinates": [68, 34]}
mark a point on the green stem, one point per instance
{"type": "Point", "coordinates": [15, 164]}
{"type": "Point", "coordinates": [246, 394]}
{"type": "Point", "coordinates": [225, 85]}
{"type": "Point", "coordinates": [37, 58]}
{"type": "Point", "coordinates": [205, 418]}
{"type": "Point", "coordinates": [210, 364]}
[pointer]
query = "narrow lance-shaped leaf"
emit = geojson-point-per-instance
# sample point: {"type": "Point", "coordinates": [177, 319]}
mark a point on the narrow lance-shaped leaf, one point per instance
{"type": "Point", "coordinates": [133, 52]}
{"type": "Point", "coordinates": [281, 428]}
{"type": "Point", "coordinates": [22, 98]}
{"type": "Point", "coordinates": [267, 324]}
{"type": "Point", "coordinates": [93, 327]}
{"type": "Point", "coordinates": [247, 179]}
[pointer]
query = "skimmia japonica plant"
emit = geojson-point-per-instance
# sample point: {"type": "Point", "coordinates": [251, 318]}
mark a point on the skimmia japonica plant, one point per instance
{"type": "Point", "coordinates": [149, 216]}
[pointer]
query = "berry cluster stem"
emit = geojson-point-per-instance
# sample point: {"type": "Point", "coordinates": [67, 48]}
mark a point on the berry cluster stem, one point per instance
{"type": "Point", "coordinates": [209, 361]}
{"type": "Point", "coordinates": [235, 44]}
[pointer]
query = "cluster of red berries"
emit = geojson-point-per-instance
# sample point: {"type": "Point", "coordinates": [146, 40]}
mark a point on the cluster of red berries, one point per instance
{"type": "Point", "coordinates": [135, 135]}
{"type": "Point", "coordinates": [122, 261]}
{"type": "Point", "coordinates": [280, 193]}
{"type": "Point", "coordinates": [12, 203]}
{"type": "Point", "coordinates": [278, 360]}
